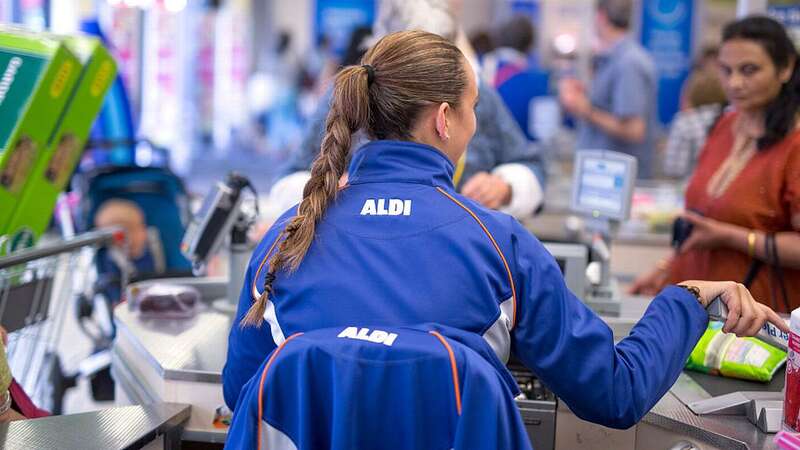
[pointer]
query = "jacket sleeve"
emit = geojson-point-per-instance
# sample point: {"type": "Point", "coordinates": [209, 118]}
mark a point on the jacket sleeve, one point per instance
{"type": "Point", "coordinates": [247, 346]}
{"type": "Point", "coordinates": [572, 350]}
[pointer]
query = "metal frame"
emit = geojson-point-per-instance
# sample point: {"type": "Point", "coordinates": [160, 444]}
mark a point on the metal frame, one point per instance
{"type": "Point", "coordinates": [37, 287]}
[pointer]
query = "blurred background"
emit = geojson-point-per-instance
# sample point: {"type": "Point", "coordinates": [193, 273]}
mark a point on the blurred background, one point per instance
{"type": "Point", "coordinates": [230, 84]}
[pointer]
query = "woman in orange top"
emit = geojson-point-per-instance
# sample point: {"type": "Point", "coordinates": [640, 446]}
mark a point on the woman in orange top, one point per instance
{"type": "Point", "coordinates": [746, 187]}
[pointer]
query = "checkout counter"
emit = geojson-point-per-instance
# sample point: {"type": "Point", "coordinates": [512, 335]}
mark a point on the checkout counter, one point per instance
{"type": "Point", "coordinates": [180, 361]}
{"type": "Point", "coordinates": [177, 361]}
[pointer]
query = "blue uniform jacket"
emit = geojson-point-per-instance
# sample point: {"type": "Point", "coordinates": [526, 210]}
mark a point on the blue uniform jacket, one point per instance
{"type": "Point", "coordinates": [431, 391]}
{"type": "Point", "coordinates": [400, 247]}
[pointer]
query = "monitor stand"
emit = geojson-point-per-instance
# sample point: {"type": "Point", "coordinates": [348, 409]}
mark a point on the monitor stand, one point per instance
{"type": "Point", "coordinates": [603, 294]}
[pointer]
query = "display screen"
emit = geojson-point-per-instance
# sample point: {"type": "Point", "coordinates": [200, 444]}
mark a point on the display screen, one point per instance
{"type": "Point", "coordinates": [602, 186]}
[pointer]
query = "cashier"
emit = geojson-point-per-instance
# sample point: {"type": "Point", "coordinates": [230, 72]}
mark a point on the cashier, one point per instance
{"type": "Point", "coordinates": [399, 246]}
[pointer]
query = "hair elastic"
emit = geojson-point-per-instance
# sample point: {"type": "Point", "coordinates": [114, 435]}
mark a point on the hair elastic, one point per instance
{"type": "Point", "coordinates": [370, 73]}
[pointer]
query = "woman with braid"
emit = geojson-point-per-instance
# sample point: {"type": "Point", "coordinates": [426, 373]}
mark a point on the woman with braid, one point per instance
{"type": "Point", "coordinates": [398, 246]}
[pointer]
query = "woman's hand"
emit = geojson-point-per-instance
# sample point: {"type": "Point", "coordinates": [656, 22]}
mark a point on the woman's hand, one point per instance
{"type": "Point", "coordinates": [489, 190]}
{"type": "Point", "coordinates": [706, 233]}
{"type": "Point", "coordinates": [745, 315]}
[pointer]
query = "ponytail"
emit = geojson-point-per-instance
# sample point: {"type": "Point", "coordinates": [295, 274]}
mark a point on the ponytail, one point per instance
{"type": "Point", "coordinates": [349, 113]}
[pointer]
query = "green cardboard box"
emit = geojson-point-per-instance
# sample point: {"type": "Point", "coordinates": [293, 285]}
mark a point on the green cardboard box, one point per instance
{"type": "Point", "coordinates": [37, 77]}
{"type": "Point", "coordinates": [52, 172]}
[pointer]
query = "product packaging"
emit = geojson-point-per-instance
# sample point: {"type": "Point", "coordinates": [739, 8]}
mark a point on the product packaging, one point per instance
{"type": "Point", "coordinates": [37, 77]}
{"type": "Point", "coordinates": [725, 354]}
{"type": "Point", "coordinates": [53, 170]}
{"type": "Point", "coordinates": [791, 399]}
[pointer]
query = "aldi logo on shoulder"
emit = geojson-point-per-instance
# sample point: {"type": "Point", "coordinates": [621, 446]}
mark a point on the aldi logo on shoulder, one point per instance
{"type": "Point", "coordinates": [386, 207]}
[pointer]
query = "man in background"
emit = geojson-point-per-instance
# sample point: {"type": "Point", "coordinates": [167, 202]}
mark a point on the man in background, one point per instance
{"type": "Point", "coordinates": [619, 111]}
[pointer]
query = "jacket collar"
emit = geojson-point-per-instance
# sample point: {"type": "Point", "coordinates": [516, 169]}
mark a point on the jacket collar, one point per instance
{"type": "Point", "coordinates": [400, 162]}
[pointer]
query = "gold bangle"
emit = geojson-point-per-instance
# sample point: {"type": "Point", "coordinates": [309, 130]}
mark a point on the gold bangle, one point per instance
{"type": "Point", "coordinates": [751, 244]}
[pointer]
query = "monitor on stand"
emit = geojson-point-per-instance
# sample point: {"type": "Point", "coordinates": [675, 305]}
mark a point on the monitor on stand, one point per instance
{"type": "Point", "coordinates": [602, 192]}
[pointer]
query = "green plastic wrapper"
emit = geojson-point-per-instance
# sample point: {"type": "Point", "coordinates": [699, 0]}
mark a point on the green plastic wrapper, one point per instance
{"type": "Point", "coordinates": [718, 353]}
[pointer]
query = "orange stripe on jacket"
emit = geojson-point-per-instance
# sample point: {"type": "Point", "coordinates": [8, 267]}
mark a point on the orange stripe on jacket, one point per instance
{"type": "Point", "coordinates": [453, 368]}
{"type": "Point", "coordinates": [499, 252]}
{"type": "Point", "coordinates": [261, 385]}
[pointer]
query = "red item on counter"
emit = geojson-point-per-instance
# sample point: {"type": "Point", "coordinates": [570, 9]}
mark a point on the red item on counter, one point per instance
{"type": "Point", "coordinates": [791, 399]}
{"type": "Point", "coordinates": [23, 404]}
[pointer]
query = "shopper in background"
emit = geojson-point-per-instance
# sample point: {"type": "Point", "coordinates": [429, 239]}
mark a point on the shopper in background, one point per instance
{"type": "Point", "coordinates": [704, 101]}
{"type": "Point", "coordinates": [513, 70]}
{"type": "Point", "coordinates": [745, 192]}
{"type": "Point", "coordinates": [515, 41]}
{"type": "Point", "coordinates": [502, 170]}
{"type": "Point", "coordinates": [619, 111]}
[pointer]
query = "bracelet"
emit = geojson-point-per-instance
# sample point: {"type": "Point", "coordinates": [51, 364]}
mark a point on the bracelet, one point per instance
{"type": "Point", "coordinates": [694, 290]}
{"type": "Point", "coordinates": [6, 405]}
{"type": "Point", "coordinates": [751, 244]}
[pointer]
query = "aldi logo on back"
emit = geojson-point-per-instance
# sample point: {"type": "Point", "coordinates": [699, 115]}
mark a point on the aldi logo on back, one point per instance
{"type": "Point", "coordinates": [386, 207]}
{"type": "Point", "coordinates": [364, 334]}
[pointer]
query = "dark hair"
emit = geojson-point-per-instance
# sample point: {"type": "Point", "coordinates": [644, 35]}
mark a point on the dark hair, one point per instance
{"type": "Point", "coordinates": [618, 12]}
{"type": "Point", "coordinates": [780, 115]}
{"type": "Point", "coordinates": [482, 42]}
{"type": "Point", "coordinates": [355, 47]}
{"type": "Point", "coordinates": [518, 33]}
{"type": "Point", "coordinates": [410, 71]}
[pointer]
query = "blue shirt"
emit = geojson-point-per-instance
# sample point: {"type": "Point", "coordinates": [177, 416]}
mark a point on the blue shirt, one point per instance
{"type": "Point", "coordinates": [399, 247]}
{"type": "Point", "coordinates": [625, 84]}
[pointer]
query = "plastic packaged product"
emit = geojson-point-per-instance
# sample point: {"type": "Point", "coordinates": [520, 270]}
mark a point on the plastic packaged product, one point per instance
{"type": "Point", "coordinates": [163, 300]}
{"type": "Point", "coordinates": [719, 353]}
{"type": "Point", "coordinates": [791, 396]}
{"type": "Point", "coordinates": [787, 441]}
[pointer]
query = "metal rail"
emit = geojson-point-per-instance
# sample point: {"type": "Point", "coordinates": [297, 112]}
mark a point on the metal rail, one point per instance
{"type": "Point", "coordinates": [99, 237]}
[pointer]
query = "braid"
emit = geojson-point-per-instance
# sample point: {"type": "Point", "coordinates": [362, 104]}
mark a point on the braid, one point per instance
{"type": "Point", "coordinates": [349, 113]}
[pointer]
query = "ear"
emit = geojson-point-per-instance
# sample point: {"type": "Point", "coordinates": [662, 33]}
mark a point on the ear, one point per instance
{"type": "Point", "coordinates": [441, 121]}
{"type": "Point", "coordinates": [786, 73]}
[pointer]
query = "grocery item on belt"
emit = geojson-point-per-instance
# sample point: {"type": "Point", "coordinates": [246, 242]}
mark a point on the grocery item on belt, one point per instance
{"type": "Point", "coordinates": [791, 396]}
{"type": "Point", "coordinates": [724, 354]}
{"type": "Point", "coordinates": [164, 300]}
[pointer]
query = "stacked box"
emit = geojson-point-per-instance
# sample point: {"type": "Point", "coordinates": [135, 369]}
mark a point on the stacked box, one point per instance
{"type": "Point", "coordinates": [52, 172]}
{"type": "Point", "coordinates": [37, 77]}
